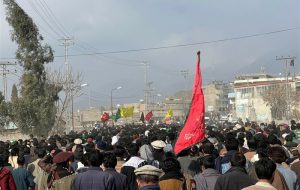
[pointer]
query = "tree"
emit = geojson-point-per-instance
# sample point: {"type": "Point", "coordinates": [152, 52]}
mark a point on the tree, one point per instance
{"type": "Point", "coordinates": [281, 100]}
{"type": "Point", "coordinates": [61, 79]}
{"type": "Point", "coordinates": [35, 107]}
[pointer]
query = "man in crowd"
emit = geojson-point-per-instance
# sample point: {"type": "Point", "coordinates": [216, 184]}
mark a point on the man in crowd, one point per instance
{"type": "Point", "coordinates": [94, 178]}
{"type": "Point", "coordinates": [236, 177]}
{"type": "Point", "coordinates": [264, 169]}
{"type": "Point", "coordinates": [148, 177]}
{"type": "Point", "coordinates": [208, 178]}
{"type": "Point", "coordinates": [109, 163]}
{"type": "Point", "coordinates": [22, 177]}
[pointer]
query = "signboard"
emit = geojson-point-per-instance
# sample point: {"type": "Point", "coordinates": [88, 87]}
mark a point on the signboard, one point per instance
{"type": "Point", "coordinates": [210, 108]}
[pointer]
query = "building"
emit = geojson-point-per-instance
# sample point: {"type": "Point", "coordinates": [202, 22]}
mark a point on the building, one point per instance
{"type": "Point", "coordinates": [247, 98]}
{"type": "Point", "coordinates": [216, 97]}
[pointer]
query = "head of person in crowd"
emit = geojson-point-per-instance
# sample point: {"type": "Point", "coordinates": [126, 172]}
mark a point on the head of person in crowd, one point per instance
{"type": "Point", "coordinates": [273, 140]}
{"type": "Point", "coordinates": [109, 160]}
{"type": "Point", "coordinates": [171, 165]}
{"type": "Point", "coordinates": [78, 154]}
{"type": "Point", "coordinates": [238, 160]}
{"type": "Point", "coordinates": [132, 150]}
{"type": "Point", "coordinates": [252, 144]}
{"type": "Point", "coordinates": [63, 143]}
{"type": "Point", "coordinates": [26, 150]}
{"type": "Point", "coordinates": [41, 152]}
{"type": "Point", "coordinates": [265, 169]}
{"type": "Point", "coordinates": [262, 148]}
{"type": "Point", "coordinates": [14, 151]}
{"type": "Point", "coordinates": [288, 138]}
{"type": "Point", "coordinates": [21, 161]}
{"type": "Point", "coordinates": [277, 154]}
{"type": "Point", "coordinates": [293, 125]}
{"type": "Point", "coordinates": [231, 143]}
{"type": "Point", "coordinates": [95, 158]}
{"type": "Point", "coordinates": [101, 145]}
{"type": "Point", "coordinates": [207, 148]}
{"type": "Point", "coordinates": [89, 147]}
{"type": "Point", "coordinates": [5, 157]}
{"type": "Point", "coordinates": [147, 176]}
{"type": "Point", "coordinates": [248, 135]}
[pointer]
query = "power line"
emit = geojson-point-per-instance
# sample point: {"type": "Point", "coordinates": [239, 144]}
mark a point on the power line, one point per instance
{"type": "Point", "coordinates": [56, 21]}
{"type": "Point", "coordinates": [188, 44]}
{"type": "Point", "coordinates": [45, 20]}
{"type": "Point", "coordinates": [180, 45]}
{"type": "Point", "coordinates": [50, 17]}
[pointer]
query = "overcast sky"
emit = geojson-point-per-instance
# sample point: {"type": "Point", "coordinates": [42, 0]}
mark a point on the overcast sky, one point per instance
{"type": "Point", "coordinates": [111, 25]}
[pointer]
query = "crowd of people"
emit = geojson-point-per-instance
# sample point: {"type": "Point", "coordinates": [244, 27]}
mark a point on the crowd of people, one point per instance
{"type": "Point", "coordinates": [235, 156]}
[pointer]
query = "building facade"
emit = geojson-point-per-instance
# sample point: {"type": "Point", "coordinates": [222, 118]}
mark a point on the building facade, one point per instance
{"type": "Point", "coordinates": [216, 97]}
{"type": "Point", "coordinates": [248, 101]}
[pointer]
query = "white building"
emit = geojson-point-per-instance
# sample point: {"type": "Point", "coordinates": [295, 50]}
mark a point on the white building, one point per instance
{"type": "Point", "coordinates": [247, 98]}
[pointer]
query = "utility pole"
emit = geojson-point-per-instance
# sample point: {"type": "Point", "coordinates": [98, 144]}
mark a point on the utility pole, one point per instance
{"type": "Point", "coordinates": [285, 59]}
{"type": "Point", "coordinates": [185, 74]}
{"type": "Point", "coordinates": [4, 73]}
{"type": "Point", "coordinates": [69, 83]}
{"type": "Point", "coordinates": [146, 90]}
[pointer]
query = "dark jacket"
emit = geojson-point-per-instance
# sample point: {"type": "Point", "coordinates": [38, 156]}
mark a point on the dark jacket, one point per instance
{"type": "Point", "coordinates": [94, 178]}
{"type": "Point", "coordinates": [222, 163]}
{"type": "Point", "coordinates": [128, 171]}
{"type": "Point", "coordinates": [236, 178]}
{"type": "Point", "coordinates": [120, 179]}
{"type": "Point", "coordinates": [6, 179]}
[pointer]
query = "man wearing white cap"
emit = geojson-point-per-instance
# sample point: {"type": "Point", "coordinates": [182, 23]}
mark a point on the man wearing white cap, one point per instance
{"type": "Point", "coordinates": [147, 177]}
{"type": "Point", "coordinates": [158, 152]}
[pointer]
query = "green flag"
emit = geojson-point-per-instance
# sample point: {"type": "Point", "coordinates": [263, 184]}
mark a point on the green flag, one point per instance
{"type": "Point", "coordinates": [116, 116]}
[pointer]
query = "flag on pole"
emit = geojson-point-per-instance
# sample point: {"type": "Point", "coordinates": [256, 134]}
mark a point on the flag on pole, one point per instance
{"type": "Point", "coordinates": [292, 63]}
{"type": "Point", "coordinates": [148, 116]}
{"type": "Point", "coordinates": [169, 113]}
{"type": "Point", "coordinates": [194, 130]}
{"type": "Point", "coordinates": [116, 116]}
{"type": "Point", "coordinates": [142, 119]}
{"type": "Point", "coordinates": [104, 117]}
{"type": "Point", "coordinates": [127, 112]}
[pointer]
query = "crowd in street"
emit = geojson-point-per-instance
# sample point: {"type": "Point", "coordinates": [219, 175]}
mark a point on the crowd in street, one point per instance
{"type": "Point", "coordinates": [233, 156]}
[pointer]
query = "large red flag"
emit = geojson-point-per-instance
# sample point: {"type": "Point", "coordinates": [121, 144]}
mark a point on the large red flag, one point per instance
{"type": "Point", "coordinates": [193, 131]}
{"type": "Point", "coordinates": [148, 116]}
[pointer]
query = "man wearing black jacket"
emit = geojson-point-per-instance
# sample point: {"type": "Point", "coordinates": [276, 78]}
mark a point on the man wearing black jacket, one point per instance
{"type": "Point", "coordinates": [236, 177]}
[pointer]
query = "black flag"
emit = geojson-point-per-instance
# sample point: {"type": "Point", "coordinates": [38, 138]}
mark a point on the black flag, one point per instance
{"type": "Point", "coordinates": [292, 63]}
{"type": "Point", "coordinates": [142, 119]}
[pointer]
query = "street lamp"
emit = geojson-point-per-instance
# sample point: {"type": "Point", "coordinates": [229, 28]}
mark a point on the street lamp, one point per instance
{"type": "Point", "coordinates": [84, 85]}
{"type": "Point", "coordinates": [153, 100]}
{"type": "Point", "coordinates": [111, 97]}
{"type": "Point", "coordinates": [72, 99]}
